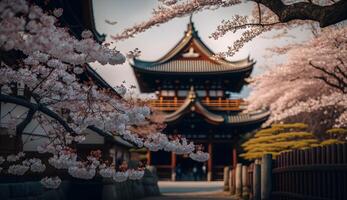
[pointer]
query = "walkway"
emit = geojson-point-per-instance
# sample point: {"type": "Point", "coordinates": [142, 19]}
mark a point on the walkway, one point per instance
{"type": "Point", "coordinates": [191, 191]}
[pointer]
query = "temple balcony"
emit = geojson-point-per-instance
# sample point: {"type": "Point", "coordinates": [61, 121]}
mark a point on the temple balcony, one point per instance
{"type": "Point", "coordinates": [215, 104]}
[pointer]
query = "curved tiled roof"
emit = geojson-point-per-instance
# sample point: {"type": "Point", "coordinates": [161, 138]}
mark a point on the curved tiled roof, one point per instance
{"type": "Point", "coordinates": [242, 118]}
{"type": "Point", "coordinates": [195, 66]}
{"type": "Point", "coordinates": [172, 63]}
{"type": "Point", "coordinates": [192, 104]}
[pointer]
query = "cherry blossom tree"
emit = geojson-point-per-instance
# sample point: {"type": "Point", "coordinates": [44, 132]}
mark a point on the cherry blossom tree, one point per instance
{"type": "Point", "coordinates": [311, 86]}
{"type": "Point", "coordinates": [43, 61]}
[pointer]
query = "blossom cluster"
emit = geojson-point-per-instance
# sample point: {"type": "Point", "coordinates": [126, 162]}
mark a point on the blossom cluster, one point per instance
{"type": "Point", "coordinates": [36, 165]}
{"type": "Point", "coordinates": [20, 168]}
{"type": "Point", "coordinates": [15, 157]}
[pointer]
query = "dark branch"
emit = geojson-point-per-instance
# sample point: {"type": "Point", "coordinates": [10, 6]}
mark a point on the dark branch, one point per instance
{"type": "Point", "coordinates": [330, 83]}
{"type": "Point", "coordinates": [21, 126]}
{"type": "Point", "coordinates": [341, 83]}
{"type": "Point", "coordinates": [342, 71]}
{"type": "Point", "coordinates": [35, 107]}
{"type": "Point", "coordinates": [325, 15]}
{"type": "Point", "coordinates": [259, 12]}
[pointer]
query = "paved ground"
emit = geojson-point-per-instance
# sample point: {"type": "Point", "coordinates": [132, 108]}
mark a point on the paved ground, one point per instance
{"type": "Point", "coordinates": [191, 191]}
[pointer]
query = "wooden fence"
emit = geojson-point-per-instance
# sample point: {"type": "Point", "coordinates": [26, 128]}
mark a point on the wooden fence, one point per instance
{"type": "Point", "coordinates": [318, 173]}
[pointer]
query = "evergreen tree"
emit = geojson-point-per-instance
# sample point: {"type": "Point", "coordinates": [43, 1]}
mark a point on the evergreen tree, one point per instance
{"type": "Point", "coordinates": [286, 137]}
{"type": "Point", "coordinates": [279, 138]}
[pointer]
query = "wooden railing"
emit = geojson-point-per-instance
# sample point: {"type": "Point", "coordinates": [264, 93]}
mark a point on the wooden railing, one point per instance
{"type": "Point", "coordinates": [215, 104]}
{"type": "Point", "coordinates": [318, 173]}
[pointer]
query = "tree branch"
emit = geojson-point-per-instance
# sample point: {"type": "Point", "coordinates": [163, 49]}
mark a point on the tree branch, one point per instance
{"type": "Point", "coordinates": [331, 84]}
{"type": "Point", "coordinates": [21, 126]}
{"type": "Point", "coordinates": [36, 107]}
{"type": "Point", "coordinates": [342, 72]}
{"type": "Point", "coordinates": [341, 84]}
{"type": "Point", "coordinates": [325, 15]}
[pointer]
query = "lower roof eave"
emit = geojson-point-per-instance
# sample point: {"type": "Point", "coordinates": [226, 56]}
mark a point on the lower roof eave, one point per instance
{"type": "Point", "coordinates": [258, 118]}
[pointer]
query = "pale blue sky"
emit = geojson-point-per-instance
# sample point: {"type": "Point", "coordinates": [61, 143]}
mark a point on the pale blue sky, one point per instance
{"type": "Point", "coordinates": [155, 42]}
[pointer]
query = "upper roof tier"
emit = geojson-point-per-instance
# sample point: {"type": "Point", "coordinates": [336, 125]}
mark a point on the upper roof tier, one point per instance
{"type": "Point", "coordinates": [192, 56]}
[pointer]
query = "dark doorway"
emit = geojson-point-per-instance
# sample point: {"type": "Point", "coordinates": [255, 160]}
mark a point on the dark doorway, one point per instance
{"type": "Point", "coordinates": [190, 170]}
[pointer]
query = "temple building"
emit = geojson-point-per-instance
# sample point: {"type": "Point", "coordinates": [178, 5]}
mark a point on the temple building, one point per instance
{"type": "Point", "coordinates": [193, 90]}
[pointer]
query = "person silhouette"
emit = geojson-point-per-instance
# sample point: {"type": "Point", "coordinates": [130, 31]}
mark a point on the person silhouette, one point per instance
{"type": "Point", "coordinates": [195, 173]}
{"type": "Point", "coordinates": [178, 172]}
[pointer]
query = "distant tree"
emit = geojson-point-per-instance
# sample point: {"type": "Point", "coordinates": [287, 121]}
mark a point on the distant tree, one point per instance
{"type": "Point", "coordinates": [311, 87]}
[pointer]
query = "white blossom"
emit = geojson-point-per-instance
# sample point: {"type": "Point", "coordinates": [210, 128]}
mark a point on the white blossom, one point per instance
{"type": "Point", "coordinates": [135, 174]}
{"type": "Point", "coordinates": [106, 172]}
{"type": "Point", "coordinates": [14, 158]}
{"type": "Point", "coordinates": [37, 165]}
{"type": "Point", "coordinates": [78, 70]}
{"type": "Point", "coordinates": [63, 161]}
{"type": "Point", "coordinates": [17, 170]}
{"type": "Point", "coordinates": [87, 34]}
{"type": "Point", "coordinates": [120, 176]}
{"type": "Point", "coordinates": [82, 172]}
{"type": "Point", "coordinates": [58, 12]}
{"type": "Point", "coordinates": [199, 156]}
{"type": "Point", "coordinates": [51, 182]}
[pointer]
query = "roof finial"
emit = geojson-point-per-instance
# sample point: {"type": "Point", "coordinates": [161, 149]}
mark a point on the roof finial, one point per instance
{"type": "Point", "coordinates": [191, 18]}
{"type": "Point", "coordinates": [191, 29]}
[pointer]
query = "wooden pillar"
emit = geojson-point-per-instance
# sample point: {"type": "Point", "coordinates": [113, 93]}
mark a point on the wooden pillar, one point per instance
{"type": "Point", "coordinates": [234, 157]}
{"type": "Point", "coordinates": [266, 176]}
{"type": "Point", "coordinates": [173, 166]}
{"type": "Point", "coordinates": [256, 182]}
{"type": "Point", "coordinates": [209, 163]}
{"type": "Point", "coordinates": [232, 181]}
{"type": "Point", "coordinates": [226, 178]}
{"type": "Point", "coordinates": [238, 180]}
{"type": "Point", "coordinates": [149, 158]}
{"type": "Point", "coordinates": [245, 189]}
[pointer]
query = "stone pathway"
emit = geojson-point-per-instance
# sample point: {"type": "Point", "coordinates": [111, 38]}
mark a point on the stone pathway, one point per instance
{"type": "Point", "coordinates": [191, 191]}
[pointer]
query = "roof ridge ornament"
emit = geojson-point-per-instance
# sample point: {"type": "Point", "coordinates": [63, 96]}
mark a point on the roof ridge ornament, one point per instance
{"type": "Point", "coordinates": [192, 94]}
{"type": "Point", "coordinates": [191, 53]}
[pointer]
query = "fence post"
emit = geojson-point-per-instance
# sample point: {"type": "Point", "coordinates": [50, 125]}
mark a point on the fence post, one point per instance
{"type": "Point", "coordinates": [226, 178]}
{"type": "Point", "coordinates": [266, 177]}
{"type": "Point", "coordinates": [232, 181]}
{"type": "Point", "coordinates": [245, 190]}
{"type": "Point", "coordinates": [238, 180]}
{"type": "Point", "coordinates": [256, 182]}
